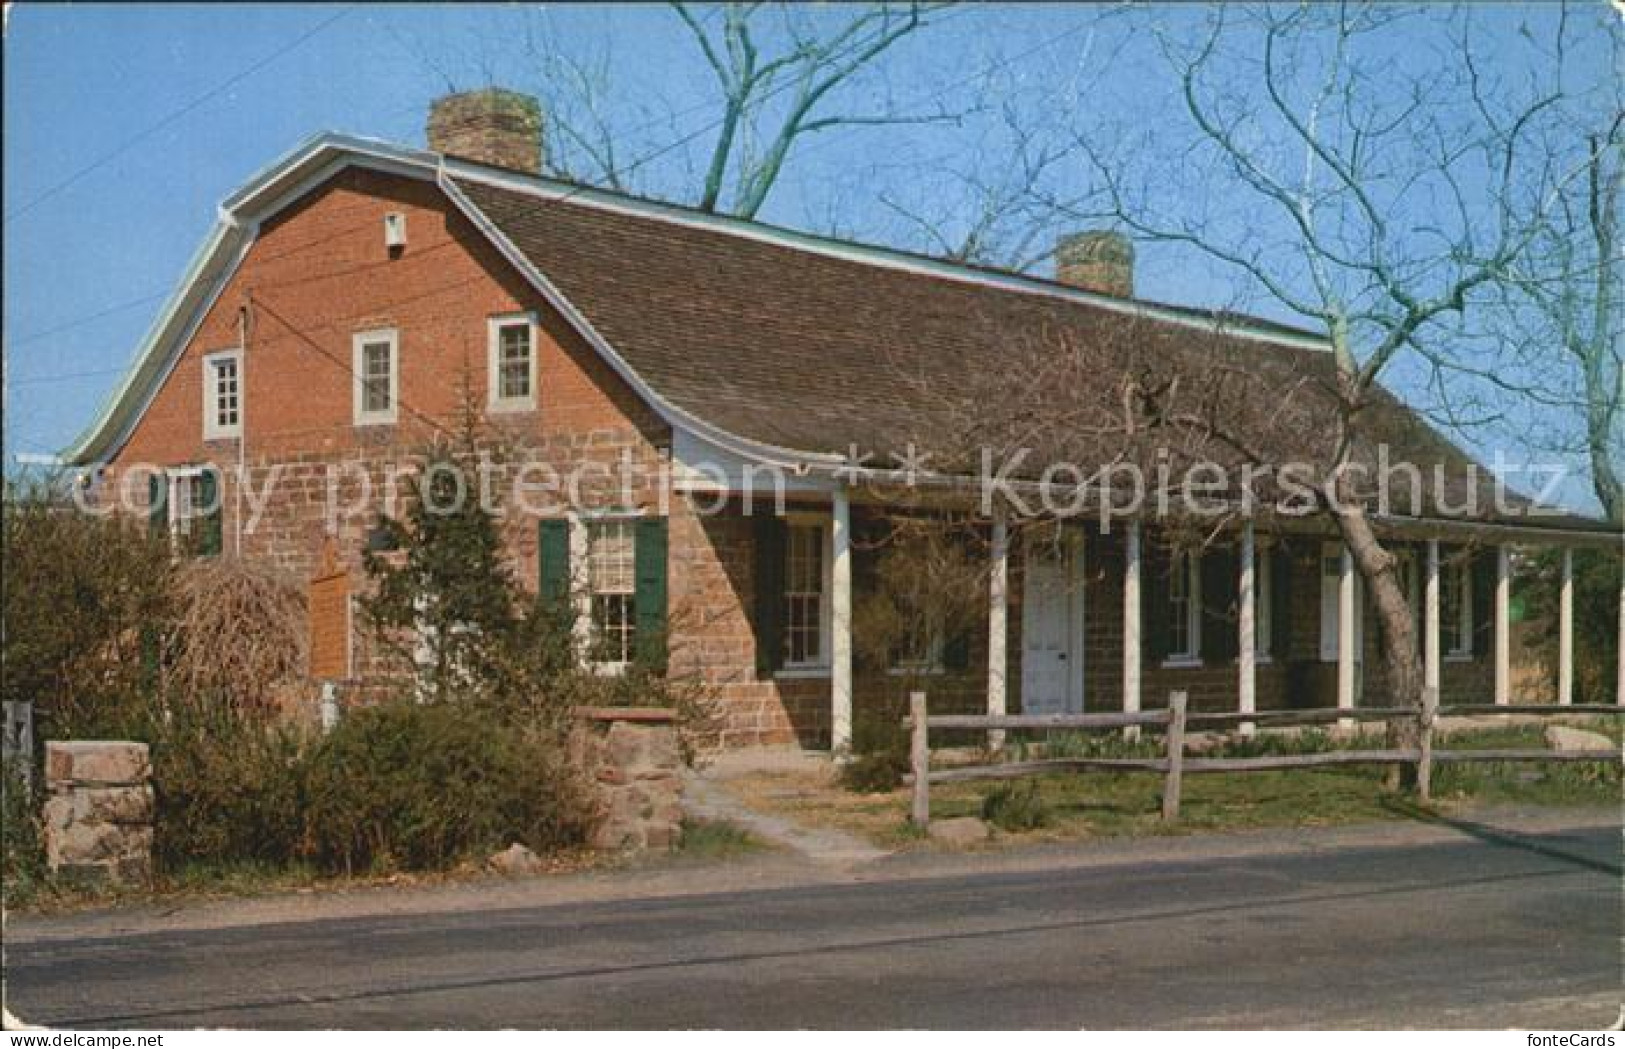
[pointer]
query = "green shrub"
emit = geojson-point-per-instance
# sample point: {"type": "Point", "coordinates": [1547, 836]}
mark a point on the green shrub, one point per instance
{"type": "Point", "coordinates": [227, 791]}
{"type": "Point", "coordinates": [879, 748]}
{"type": "Point", "coordinates": [1015, 806]}
{"type": "Point", "coordinates": [22, 847]}
{"type": "Point", "coordinates": [415, 787]}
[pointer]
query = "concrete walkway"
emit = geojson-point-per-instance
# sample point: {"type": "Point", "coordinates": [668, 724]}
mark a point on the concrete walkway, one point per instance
{"type": "Point", "coordinates": [706, 797]}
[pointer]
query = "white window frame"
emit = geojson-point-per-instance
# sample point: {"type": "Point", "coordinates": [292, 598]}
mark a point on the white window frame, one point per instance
{"type": "Point", "coordinates": [493, 359]}
{"type": "Point", "coordinates": [819, 667]}
{"type": "Point", "coordinates": [1191, 656]}
{"type": "Point", "coordinates": [581, 526]}
{"type": "Point", "coordinates": [178, 512]}
{"type": "Point", "coordinates": [1462, 651]}
{"type": "Point", "coordinates": [213, 429]}
{"type": "Point", "coordinates": [358, 343]}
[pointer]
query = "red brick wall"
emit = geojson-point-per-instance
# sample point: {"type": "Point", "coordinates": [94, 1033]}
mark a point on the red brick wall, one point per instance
{"type": "Point", "coordinates": [320, 273]}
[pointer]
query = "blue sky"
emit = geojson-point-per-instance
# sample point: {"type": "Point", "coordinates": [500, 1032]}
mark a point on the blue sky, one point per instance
{"type": "Point", "coordinates": [126, 124]}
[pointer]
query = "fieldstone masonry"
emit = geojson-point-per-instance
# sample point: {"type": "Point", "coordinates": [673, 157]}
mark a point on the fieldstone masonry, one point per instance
{"type": "Point", "coordinates": [633, 758]}
{"type": "Point", "coordinates": [99, 810]}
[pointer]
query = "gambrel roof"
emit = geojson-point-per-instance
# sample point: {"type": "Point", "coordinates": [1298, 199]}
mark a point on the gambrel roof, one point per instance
{"type": "Point", "coordinates": [772, 344]}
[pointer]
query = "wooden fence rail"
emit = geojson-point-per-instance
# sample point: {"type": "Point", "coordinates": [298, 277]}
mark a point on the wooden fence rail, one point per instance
{"type": "Point", "coordinates": [1174, 765]}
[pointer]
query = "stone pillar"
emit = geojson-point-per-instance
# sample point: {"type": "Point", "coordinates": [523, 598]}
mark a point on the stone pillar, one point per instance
{"type": "Point", "coordinates": [634, 761]}
{"type": "Point", "coordinates": [98, 815]}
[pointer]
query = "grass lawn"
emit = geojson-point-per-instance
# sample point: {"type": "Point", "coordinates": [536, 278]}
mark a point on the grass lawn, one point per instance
{"type": "Point", "coordinates": [1106, 804]}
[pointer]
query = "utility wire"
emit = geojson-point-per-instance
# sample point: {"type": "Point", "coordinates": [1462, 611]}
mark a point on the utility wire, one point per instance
{"type": "Point", "coordinates": [189, 107]}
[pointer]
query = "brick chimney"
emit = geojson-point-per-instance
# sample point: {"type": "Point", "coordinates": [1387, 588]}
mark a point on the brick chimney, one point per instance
{"type": "Point", "coordinates": [1096, 260]}
{"type": "Point", "coordinates": [489, 126]}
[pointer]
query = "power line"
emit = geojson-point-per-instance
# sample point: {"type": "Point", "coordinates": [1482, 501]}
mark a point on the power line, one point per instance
{"type": "Point", "coordinates": [189, 107]}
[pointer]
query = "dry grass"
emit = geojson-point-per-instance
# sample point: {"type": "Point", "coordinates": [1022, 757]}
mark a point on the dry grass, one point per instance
{"type": "Point", "coordinates": [239, 637]}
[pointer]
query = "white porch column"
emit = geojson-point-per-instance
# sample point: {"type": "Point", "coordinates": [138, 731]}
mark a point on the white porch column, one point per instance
{"type": "Point", "coordinates": [1430, 620]}
{"type": "Point", "coordinates": [998, 625]}
{"type": "Point", "coordinates": [1247, 657]}
{"type": "Point", "coordinates": [840, 697]}
{"type": "Point", "coordinates": [1503, 624]}
{"type": "Point", "coordinates": [1131, 618]}
{"type": "Point", "coordinates": [1345, 635]}
{"type": "Point", "coordinates": [1565, 631]}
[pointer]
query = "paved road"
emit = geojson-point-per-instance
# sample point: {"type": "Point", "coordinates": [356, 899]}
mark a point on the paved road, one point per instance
{"type": "Point", "coordinates": [1489, 930]}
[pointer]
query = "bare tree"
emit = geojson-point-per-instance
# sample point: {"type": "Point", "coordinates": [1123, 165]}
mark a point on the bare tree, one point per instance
{"type": "Point", "coordinates": [1370, 201]}
{"type": "Point", "coordinates": [778, 72]}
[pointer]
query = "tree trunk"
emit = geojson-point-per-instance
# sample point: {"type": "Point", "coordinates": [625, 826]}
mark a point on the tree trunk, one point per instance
{"type": "Point", "coordinates": [1401, 666]}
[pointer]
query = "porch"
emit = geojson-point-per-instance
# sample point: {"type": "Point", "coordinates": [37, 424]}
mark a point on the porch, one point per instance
{"type": "Point", "coordinates": [1078, 617]}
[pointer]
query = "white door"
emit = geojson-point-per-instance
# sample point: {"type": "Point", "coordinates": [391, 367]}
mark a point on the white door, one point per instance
{"type": "Point", "coordinates": [1048, 626]}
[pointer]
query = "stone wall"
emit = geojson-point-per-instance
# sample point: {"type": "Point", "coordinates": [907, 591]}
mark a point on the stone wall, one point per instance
{"type": "Point", "coordinates": [99, 810]}
{"type": "Point", "coordinates": [635, 763]}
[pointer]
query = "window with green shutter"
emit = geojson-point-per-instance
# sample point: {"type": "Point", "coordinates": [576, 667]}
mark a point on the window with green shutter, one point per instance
{"type": "Point", "coordinates": [649, 572]}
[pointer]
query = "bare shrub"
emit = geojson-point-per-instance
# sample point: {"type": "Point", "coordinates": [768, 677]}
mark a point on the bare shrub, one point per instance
{"type": "Point", "coordinates": [237, 639]}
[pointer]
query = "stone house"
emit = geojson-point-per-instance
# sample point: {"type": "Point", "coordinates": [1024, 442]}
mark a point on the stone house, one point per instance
{"type": "Point", "coordinates": [655, 375]}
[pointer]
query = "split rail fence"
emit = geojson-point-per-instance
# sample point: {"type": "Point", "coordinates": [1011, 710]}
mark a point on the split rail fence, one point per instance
{"type": "Point", "coordinates": [1176, 721]}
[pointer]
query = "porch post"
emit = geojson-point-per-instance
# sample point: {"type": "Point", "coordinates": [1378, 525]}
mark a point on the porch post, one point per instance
{"type": "Point", "coordinates": [1345, 635]}
{"type": "Point", "coordinates": [1430, 621]}
{"type": "Point", "coordinates": [1503, 624]}
{"type": "Point", "coordinates": [1131, 618]}
{"type": "Point", "coordinates": [1247, 657]}
{"type": "Point", "coordinates": [1619, 685]}
{"type": "Point", "coordinates": [840, 721]}
{"type": "Point", "coordinates": [998, 612]}
{"type": "Point", "coordinates": [1565, 632]}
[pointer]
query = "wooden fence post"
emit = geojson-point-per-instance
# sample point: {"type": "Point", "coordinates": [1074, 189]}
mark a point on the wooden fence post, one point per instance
{"type": "Point", "coordinates": [1424, 759]}
{"type": "Point", "coordinates": [1176, 756]}
{"type": "Point", "coordinates": [919, 759]}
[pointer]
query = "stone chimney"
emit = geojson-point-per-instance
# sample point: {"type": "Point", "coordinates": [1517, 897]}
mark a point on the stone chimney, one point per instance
{"type": "Point", "coordinates": [489, 126]}
{"type": "Point", "coordinates": [1096, 260]}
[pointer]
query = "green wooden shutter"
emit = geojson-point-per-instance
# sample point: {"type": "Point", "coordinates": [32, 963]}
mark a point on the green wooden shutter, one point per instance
{"type": "Point", "coordinates": [771, 536]}
{"type": "Point", "coordinates": [1221, 592]}
{"type": "Point", "coordinates": [158, 504]}
{"type": "Point", "coordinates": [553, 564]}
{"type": "Point", "coordinates": [956, 652]}
{"type": "Point", "coordinates": [209, 532]}
{"type": "Point", "coordinates": [649, 591]}
{"type": "Point", "coordinates": [1483, 584]}
{"type": "Point", "coordinates": [1280, 598]}
{"type": "Point", "coordinates": [1154, 567]}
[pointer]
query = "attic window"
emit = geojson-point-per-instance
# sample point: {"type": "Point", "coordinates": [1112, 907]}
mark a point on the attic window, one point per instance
{"type": "Point", "coordinates": [223, 395]}
{"type": "Point", "coordinates": [376, 367]}
{"type": "Point", "coordinates": [512, 352]}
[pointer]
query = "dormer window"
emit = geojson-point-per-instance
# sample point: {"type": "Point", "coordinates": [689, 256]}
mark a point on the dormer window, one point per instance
{"type": "Point", "coordinates": [223, 395]}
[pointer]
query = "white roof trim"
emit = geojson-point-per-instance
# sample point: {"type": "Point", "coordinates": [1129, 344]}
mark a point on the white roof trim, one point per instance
{"type": "Point", "coordinates": [321, 157]}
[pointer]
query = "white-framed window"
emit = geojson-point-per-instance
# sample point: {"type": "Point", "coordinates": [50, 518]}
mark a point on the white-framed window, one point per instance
{"type": "Point", "coordinates": [1263, 606]}
{"type": "Point", "coordinates": [511, 342]}
{"type": "Point", "coordinates": [806, 594]}
{"type": "Point", "coordinates": [223, 395]}
{"type": "Point", "coordinates": [1456, 609]}
{"type": "Point", "coordinates": [1185, 608]}
{"type": "Point", "coordinates": [187, 503]}
{"type": "Point", "coordinates": [376, 366]}
{"type": "Point", "coordinates": [611, 594]}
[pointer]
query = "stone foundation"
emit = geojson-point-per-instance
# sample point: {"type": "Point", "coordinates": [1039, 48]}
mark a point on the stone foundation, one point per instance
{"type": "Point", "coordinates": [98, 815]}
{"type": "Point", "coordinates": [634, 761]}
